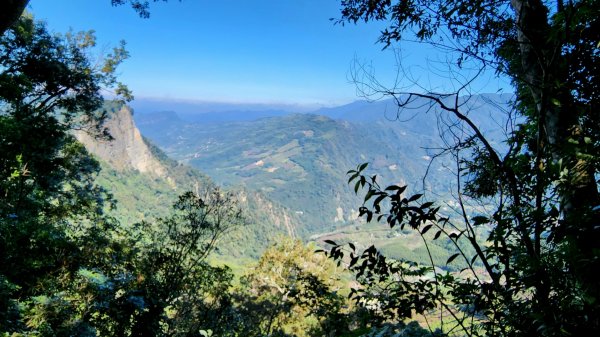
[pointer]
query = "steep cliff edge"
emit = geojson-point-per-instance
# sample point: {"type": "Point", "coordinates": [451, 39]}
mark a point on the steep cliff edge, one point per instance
{"type": "Point", "coordinates": [145, 182]}
{"type": "Point", "coordinates": [127, 150]}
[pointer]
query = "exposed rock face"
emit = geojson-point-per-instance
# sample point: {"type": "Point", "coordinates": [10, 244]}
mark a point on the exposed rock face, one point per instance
{"type": "Point", "coordinates": [271, 213]}
{"type": "Point", "coordinates": [128, 150]}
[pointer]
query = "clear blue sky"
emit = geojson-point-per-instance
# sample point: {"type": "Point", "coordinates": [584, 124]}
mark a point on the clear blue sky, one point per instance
{"type": "Point", "coordinates": [262, 51]}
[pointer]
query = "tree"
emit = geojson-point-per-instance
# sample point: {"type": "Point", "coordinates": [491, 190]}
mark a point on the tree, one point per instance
{"type": "Point", "coordinates": [49, 86]}
{"type": "Point", "coordinates": [291, 291]}
{"type": "Point", "coordinates": [540, 241]}
{"type": "Point", "coordinates": [179, 288]}
{"type": "Point", "coordinates": [158, 281]}
{"type": "Point", "coordinates": [11, 10]}
{"type": "Point", "coordinates": [48, 197]}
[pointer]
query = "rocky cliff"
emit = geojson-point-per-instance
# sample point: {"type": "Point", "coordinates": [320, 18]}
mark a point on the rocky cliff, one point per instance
{"type": "Point", "coordinates": [145, 182]}
{"type": "Point", "coordinates": [127, 150]}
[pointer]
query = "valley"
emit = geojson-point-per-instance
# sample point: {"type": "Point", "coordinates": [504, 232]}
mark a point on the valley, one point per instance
{"type": "Point", "coordinates": [206, 169]}
{"type": "Point", "coordinates": [144, 182]}
{"type": "Point", "coordinates": [299, 161]}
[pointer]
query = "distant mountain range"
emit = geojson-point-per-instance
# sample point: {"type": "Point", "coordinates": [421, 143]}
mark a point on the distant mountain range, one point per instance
{"type": "Point", "coordinates": [288, 169]}
{"type": "Point", "coordinates": [300, 160]}
{"type": "Point", "coordinates": [203, 112]}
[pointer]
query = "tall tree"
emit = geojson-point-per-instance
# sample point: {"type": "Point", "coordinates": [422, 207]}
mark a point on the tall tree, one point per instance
{"type": "Point", "coordinates": [48, 196]}
{"type": "Point", "coordinates": [543, 237]}
{"type": "Point", "coordinates": [291, 291]}
{"type": "Point", "coordinates": [157, 281]}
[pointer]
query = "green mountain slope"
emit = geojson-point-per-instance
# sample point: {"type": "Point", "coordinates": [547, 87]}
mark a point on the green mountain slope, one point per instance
{"type": "Point", "coordinates": [300, 160]}
{"type": "Point", "coordinates": [145, 182]}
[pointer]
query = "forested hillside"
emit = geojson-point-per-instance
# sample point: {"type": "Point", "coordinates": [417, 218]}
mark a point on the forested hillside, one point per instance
{"type": "Point", "coordinates": [300, 159]}
{"type": "Point", "coordinates": [431, 210]}
{"type": "Point", "coordinates": [144, 182]}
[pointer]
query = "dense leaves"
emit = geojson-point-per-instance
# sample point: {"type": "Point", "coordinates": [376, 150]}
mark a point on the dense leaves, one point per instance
{"type": "Point", "coordinates": [51, 210]}
{"type": "Point", "coordinates": [292, 292]}
{"type": "Point", "coordinates": [164, 282]}
{"type": "Point", "coordinates": [529, 210]}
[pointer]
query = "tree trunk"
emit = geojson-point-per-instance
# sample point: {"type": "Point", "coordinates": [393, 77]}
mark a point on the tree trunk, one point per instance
{"type": "Point", "coordinates": [10, 11]}
{"type": "Point", "coordinates": [558, 119]}
{"type": "Point", "coordinates": [558, 125]}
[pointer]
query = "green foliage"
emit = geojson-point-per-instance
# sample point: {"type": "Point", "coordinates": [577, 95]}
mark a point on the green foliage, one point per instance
{"type": "Point", "coordinates": [292, 292]}
{"type": "Point", "coordinates": [165, 285]}
{"type": "Point", "coordinates": [412, 329]}
{"type": "Point", "coordinates": [535, 229]}
{"type": "Point", "coordinates": [45, 75]}
{"type": "Point", "coordinates": [51, 210]}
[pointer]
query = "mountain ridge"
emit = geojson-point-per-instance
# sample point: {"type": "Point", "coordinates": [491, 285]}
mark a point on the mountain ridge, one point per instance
{"type": "Point", "coordinates": [127, 149]}
{"type": "Point", "coordinates": [145, 182]}
{"type": "Point", "coordinates": [300, 159]}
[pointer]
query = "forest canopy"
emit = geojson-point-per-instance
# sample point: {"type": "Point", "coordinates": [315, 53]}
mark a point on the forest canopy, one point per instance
{"type": "Point", "coordinates": [523, 231]}
{"type": "Point", "coordinates": [537, 234]}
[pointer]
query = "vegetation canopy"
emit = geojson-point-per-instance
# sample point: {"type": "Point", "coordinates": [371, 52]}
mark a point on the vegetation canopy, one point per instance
{"type": "Point", "coordinates": [524, 228]}
{"type": "Point", "coordinates": [535, 232]}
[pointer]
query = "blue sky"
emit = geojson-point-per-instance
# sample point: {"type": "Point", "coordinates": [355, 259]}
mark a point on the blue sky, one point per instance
{"type": "Point", "coordinates": [259, 51]}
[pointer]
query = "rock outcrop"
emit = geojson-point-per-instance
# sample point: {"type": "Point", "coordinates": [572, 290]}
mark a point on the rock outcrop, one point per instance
{"type": "Point", "coordinates": [127, 150]}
